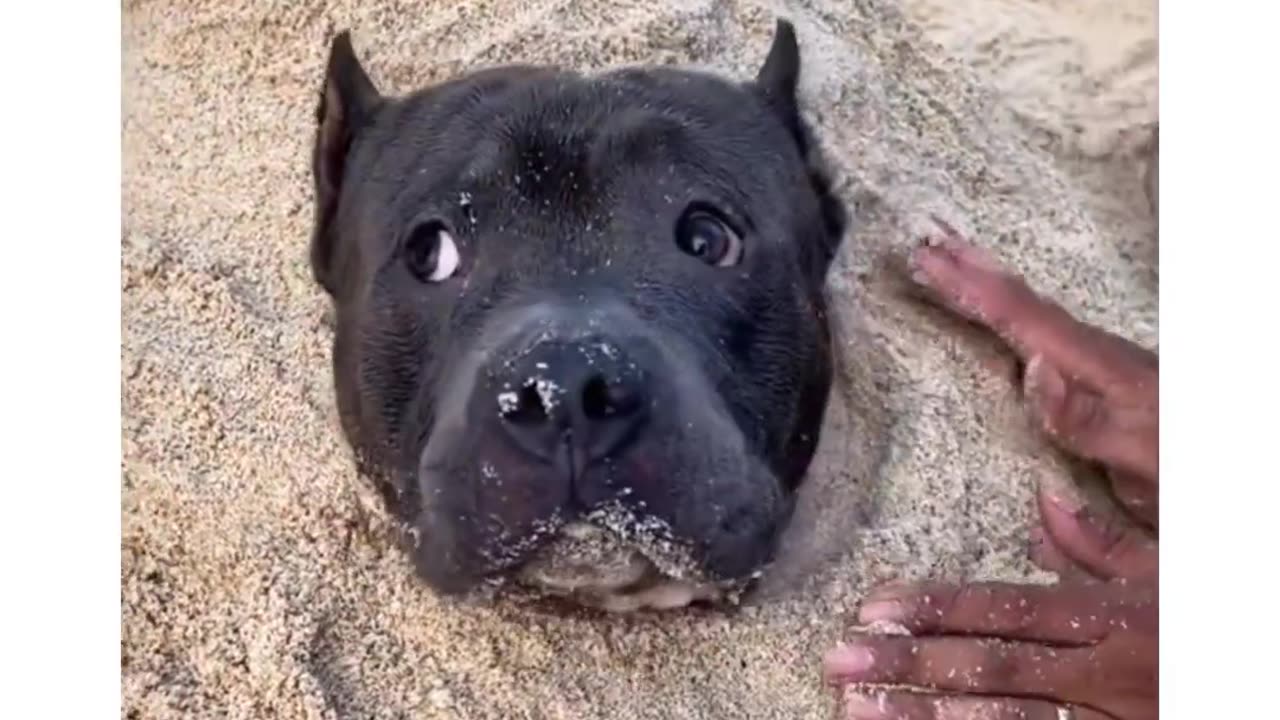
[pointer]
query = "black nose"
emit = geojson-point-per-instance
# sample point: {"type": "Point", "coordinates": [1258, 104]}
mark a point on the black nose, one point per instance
{"type": "Point", "coordinates": [572, 403]}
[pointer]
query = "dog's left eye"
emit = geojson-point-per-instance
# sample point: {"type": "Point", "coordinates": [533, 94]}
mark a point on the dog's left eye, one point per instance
{"type": "Point", "coordinates": [430, 252]}
{"type": "Point", "coordinates": [702, 233]}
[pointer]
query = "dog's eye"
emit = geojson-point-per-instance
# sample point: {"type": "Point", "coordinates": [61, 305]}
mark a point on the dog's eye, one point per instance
{"type": "Point", "coordinates": [430, 252]}
{"type": "Point", "coordinates": [705, 235]}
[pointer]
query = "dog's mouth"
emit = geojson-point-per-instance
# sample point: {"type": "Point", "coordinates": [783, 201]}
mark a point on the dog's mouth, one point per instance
{"type": "Point", "coordinates": [595, 566]}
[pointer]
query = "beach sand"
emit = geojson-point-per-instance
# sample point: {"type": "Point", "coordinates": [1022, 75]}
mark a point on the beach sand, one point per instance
{"type": "Point", "coordinates": [258, 580]}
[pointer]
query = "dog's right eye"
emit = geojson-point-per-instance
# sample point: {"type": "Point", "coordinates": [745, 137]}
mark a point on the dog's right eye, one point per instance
{"type": "Point", "coordinates": [430, 252]}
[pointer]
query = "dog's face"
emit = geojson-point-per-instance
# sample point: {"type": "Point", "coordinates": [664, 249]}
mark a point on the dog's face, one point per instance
{"type": "Point", "coordinates": [572, 309]}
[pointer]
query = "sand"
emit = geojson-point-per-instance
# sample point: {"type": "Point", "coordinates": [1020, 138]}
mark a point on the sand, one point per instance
{"type": "Point", "coordinates": [258, 581]}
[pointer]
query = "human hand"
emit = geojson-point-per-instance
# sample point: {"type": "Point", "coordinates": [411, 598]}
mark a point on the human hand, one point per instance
{"type": "Point", "coordinates": [1000, 650]}
{"type": "Point", "coordinates": [997, 651]}
{"type": "Point", "coordinates": [1094, 394]}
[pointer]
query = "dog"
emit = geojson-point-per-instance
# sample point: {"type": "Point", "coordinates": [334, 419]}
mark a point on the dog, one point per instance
{"type": "Point", "coordinates": [581, 338]}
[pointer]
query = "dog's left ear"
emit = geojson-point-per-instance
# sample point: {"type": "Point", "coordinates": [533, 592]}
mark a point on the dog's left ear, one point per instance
{"type": "Point", "coordinates": [777, 83]}
{"type": "Point", "coordinates": [348, 101]}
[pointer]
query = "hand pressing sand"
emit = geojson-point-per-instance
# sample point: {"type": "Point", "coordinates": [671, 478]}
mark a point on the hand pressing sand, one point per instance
{"type": "Point", "coordinates": [1087, 650]}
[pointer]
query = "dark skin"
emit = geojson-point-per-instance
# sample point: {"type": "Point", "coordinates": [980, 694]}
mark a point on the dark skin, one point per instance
{"type": "Point", "coordinates": [1086, 648]}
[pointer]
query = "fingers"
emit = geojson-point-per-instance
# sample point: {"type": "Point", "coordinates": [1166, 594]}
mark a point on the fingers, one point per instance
{"type": "Point", "coordinates": [1018, 647]}
{"type": "Point", "coordinates": [875, 705]}
{"type": "Point", "coordinates": [1107, 548]}
{"type": "Point", "coordinates": [1094, 393]}
{"type": "Point", "coordinates": [971, 282]}
{"type": "Point", "coordinates": [965, 665]}
{"type": "Point", "coordinates": [1116, 432]}
{"type": "Point", "coordinates": [1067, 615]}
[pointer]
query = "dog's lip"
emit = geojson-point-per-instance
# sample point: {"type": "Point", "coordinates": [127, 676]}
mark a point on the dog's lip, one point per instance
{"type": "Point", "coordinates": [596, 567]}
{"type": "Point", "coordinates": [633, 582]}
{"type": "Point", "coordinates": [585, 558]}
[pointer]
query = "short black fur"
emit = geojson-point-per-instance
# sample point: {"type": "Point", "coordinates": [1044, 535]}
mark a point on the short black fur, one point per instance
{"type": "Point", "coordinates": [690, 393]}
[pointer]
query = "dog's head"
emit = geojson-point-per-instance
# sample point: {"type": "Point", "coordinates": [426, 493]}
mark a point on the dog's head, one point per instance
{"type": "Point", "coordinates": [580, 326]}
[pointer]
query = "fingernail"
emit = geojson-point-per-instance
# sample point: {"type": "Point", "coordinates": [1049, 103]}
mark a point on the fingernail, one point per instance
{"type": "Point", "coordinates": [848, 662]}
{"type": "Point", "coordinates": [920, 277]}
{"type": "Point", "coordinates": [882, 610]}
{"type": "Point", "coordinates": [1066, 501]}
{"type": "Point", "coordinates": [916, 260]}
{"type": "Point", "coordinates": [858, 706]}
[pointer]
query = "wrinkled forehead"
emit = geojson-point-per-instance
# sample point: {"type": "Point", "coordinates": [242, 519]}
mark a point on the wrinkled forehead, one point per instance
{"type": "Point", "coordinates": [549, 135]}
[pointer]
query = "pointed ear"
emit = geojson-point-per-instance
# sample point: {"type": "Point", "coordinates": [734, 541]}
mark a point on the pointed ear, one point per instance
{"type": "Point", "coordinates": [348, 100]}
{"type": "Point", "coordinates": [777, 82]}
{"type": "Point", "coordinates": [780, 74]}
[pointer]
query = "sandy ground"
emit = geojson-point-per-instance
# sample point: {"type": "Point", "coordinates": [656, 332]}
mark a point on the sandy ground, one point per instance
{"type": "Point", "coordinates": [257, 581]}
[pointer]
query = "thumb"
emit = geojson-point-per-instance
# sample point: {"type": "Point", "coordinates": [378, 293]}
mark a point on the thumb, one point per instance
{"type": "Point", "coordinates": [1105, 546]}
{"type": "Point", "coordinates": [1090, 424]}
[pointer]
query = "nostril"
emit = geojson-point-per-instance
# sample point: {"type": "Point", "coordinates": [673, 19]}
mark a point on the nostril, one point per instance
{"type": "Point", "coordinates": [595, 399]}
{"type": "Point", "coordinates": [602, 400]}
{"type": "Point", "coordinates": [524, 407]}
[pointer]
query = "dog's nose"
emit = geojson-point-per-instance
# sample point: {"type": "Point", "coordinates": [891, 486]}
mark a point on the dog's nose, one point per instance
{"type": "Point", "coordinates": [573, 403]}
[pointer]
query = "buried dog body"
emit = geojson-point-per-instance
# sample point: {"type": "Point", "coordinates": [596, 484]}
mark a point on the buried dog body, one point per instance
{"type": "Point", "coordinates": [581, 337]}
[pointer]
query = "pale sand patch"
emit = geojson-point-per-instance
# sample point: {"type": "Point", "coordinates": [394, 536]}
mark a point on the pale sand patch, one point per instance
{"type": "Point", "coordinates": [256, 580]}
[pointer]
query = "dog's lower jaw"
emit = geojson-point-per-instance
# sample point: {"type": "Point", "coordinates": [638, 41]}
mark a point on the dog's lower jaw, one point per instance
{"type": "Point", "coordinates": [665, 594]}
{"type": "Point", "coordinates": [596, 568]}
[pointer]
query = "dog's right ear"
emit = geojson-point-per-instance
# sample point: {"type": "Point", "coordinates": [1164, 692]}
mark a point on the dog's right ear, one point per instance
{"type": "Point", "coordinates": [780, 74]}
{"type": "Point", "coordinates": [348, 101]}
{"type": "Point", "coordinates": [777, 83]}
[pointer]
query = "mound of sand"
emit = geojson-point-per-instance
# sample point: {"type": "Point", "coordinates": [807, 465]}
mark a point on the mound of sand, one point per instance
{"type": "Point", "coordinates": [257, 581]}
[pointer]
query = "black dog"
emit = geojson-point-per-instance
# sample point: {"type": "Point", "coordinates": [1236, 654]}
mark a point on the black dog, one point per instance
{"type": "Point", "coordinates": [568, 302]}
